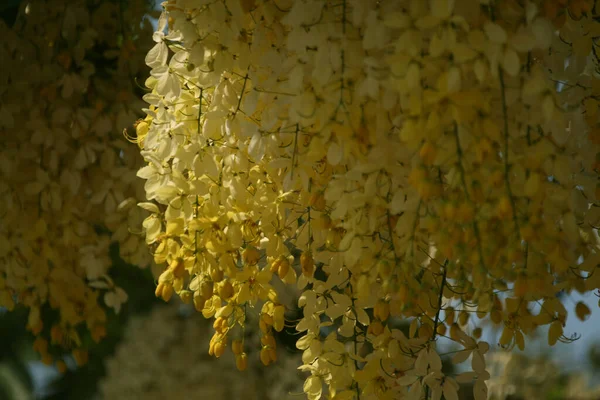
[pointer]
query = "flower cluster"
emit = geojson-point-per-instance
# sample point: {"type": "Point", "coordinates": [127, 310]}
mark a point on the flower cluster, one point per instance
{"type": "Point", "coordinates": [408, 159]}
{"type": "Point", "coordinates": [163, 354]}
{"type": "Point", "coordinates": [66, 174]}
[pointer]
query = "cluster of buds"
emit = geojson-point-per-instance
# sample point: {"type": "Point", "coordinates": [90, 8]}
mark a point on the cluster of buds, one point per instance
{"type": "Point", "coordinates": [271, 318]}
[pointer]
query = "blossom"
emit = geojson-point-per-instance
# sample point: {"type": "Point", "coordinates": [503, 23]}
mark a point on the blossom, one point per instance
{"type": "Point", "coordinates": [395, 160]}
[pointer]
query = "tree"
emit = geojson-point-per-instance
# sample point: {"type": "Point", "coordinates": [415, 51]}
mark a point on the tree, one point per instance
{"type": "Point", "coordinates": [431, 161]}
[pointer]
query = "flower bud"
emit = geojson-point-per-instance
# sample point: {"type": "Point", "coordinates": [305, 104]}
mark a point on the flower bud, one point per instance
{"type": "Point", "coordinates": [275, 265]}
{"type": "Point", "coordinates": [278, 318]}
{"type": "Point", "coordinates": [241, 362]}
{"type": "Point", "coordinates": [284, 268]}
{"type": "Point", "coordinates": [265, 358]}
{"type": "Point", "coordinates": [308, 264]}
{"type": "Point", "coordinates": [237, 347]}
{"type": "Point", "coordinates": [206, 289]}
{"type": "Point", "coordinates": [220, 348]}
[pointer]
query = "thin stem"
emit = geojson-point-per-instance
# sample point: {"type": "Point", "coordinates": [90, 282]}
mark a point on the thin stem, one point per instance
{"type": "Point", "coordinates": [505, 151]}
{"type": "Point", "coordinates": [463, 181]}
{"type": "Point", "coordinates": [437, 314]}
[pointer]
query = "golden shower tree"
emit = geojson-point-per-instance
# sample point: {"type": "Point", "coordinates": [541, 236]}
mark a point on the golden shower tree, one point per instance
{"type": "Point", "coordinates": [431, 161]}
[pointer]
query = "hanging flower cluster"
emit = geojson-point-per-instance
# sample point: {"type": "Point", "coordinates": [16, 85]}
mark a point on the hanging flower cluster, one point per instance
{"type": "Point", "coordinates": [434, 161]}
{"type": "Point", "coordinates": [164, 355]}
{"type": "Point", "coordinates": [66, 174]}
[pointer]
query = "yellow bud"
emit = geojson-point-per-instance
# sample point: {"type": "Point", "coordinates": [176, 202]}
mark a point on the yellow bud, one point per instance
{"type": "Point", "coordinates": [237, 347]}
{"type": "Point", "coordinates": [177, 267]}
{"type": "Point", "coordinates": [220, 325]}
{"type": "Point", "coordinates": [219, 348]}
{"type": "Point", "coordinates": [241, 362]}
{"type": "Point", "coordinates": [278, 318]}
{"type": "Point", "coordinates": [283, 269]}
{"type": "Point", "coordinates": [265, 357]}
{"type": "Point", "coordinates": [206, 289]}
{"type": "Point", "coordinates": [272, 354]}
{"type": "Point", "coordinates": [308, 264]}
{"type": "Point", "coordinates": [264, 328]}
{"type": "Point", "coordinates": [141, 130]}
{"type": "Point", "coordinates": [167, 292]}
{"type": "Point", "coordinates": [159, 289]}
{"type": "Point", "coordinates": [267, 319]}
{"type": "Point", "coordinates": [268, 341]}
{"type": "Point", "coordinates": [275, 265]}
{"type": "Point", "coordinates": [477, 333]}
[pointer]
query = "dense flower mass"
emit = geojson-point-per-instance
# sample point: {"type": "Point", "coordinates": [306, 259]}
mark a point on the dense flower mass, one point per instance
{"type": "Point", "coordinates": [435, 161]}
{"type": "Point", "coordinates": [163, 355]}
{"type": "Point", "coordinates": [66, 174]}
